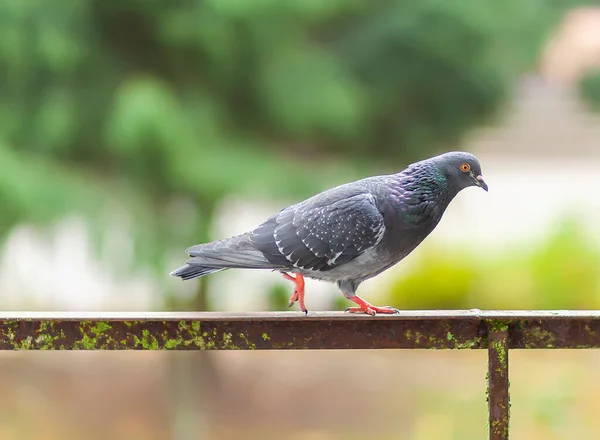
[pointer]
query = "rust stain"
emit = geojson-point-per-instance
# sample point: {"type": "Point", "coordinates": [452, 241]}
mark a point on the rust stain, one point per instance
{"type": "Point", "coordinates": [498, 384]}
{"type": "Point", "coordinates": [218, 331]}
{"type": "Point", "coordinates": [495, 331]}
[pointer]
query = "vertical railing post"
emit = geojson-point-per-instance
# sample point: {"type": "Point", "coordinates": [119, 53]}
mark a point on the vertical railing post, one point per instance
{"type": "Point", "coordinates": [498, 396]}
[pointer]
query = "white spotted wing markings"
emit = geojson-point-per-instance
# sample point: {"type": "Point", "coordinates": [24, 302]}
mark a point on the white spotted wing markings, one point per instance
{"type": "Point", "coordinates": [346, 227]}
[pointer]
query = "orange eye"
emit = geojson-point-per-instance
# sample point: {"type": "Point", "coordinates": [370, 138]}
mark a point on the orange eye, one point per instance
{"type": "Point", "coordinates": [465, 167]}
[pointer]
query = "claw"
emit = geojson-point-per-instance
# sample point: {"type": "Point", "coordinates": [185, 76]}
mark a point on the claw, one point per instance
{"type": "Point", "coordinates": [293, 298]}
{"type": "Point", "coordinates": [298, 292]}
{"type": "Point", "coordinates": [369, 309]}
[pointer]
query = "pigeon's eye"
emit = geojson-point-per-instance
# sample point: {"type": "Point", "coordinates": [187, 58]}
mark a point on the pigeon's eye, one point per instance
{"type": "Point", "coordinates": [465, 167]}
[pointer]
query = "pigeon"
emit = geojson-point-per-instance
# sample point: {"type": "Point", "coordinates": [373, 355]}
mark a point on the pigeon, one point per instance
{"type": "Point", "coordinates": [346, 234]}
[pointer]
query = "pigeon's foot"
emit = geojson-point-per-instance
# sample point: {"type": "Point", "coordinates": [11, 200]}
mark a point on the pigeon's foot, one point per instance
{"type": "Point", "coordinates": [298, 292]}
{"type": "Point", "coordinates": [369, 309]}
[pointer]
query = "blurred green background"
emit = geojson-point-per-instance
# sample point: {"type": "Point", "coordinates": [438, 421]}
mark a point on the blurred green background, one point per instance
{"type": "Point", "coordinates": [130, 130]}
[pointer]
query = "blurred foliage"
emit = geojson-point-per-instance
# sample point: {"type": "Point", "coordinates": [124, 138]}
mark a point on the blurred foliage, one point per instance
{"type": "Point", "coordinates": [278, 296]}
{"type": "Point", "coordinates": [589, 89]}
{"type": "Point", "coordinates": [559, 273]}
{"type": "Point", "coordinates": [443, 279]}
{"type": "Point", "coordinates": [155, 106]}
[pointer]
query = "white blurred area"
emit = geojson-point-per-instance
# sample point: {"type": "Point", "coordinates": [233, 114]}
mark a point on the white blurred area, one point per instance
{"type": "Point", "coordinates": [58, 270]}
{"type": "Point", "coordinates": [541, 161]}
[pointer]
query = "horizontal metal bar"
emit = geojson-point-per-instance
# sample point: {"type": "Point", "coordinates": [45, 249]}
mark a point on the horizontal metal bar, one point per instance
{"type": "Point", "coordinates": [217, 316]}
{"type": "Point", "coordinates": [294, 330]}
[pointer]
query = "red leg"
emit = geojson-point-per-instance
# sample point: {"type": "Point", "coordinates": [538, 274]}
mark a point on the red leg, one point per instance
{"type": "Point", "coordinates": [369, 309]}
{"type": "Point", "coordinates": [298, 291]}
{"type": "Point", "coordinates": [294, 297]}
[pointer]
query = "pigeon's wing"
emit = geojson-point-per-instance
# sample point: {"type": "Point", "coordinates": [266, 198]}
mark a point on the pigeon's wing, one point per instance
{"type": "Point", "coordinates": [321, 233]}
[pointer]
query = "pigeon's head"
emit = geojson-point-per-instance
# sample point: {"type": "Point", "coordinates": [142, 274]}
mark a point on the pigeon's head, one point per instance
{"type": "Point", "coordinates": [461, 170]}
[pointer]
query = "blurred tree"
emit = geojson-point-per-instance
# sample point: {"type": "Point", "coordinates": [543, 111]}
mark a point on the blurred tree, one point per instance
{"type": "Point", "coordinates": [149, 104]}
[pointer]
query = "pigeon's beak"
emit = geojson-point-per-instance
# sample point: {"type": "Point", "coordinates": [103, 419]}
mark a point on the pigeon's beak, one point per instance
{"type": "Point", "coordinates": [481, 183]}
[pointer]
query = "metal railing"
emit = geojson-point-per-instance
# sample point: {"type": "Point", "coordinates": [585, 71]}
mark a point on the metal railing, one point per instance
{"type": "Point", "coordinates": [495, 331]}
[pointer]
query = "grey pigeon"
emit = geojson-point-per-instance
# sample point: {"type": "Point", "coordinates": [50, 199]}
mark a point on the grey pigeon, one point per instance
{"type": "Point", "coordinates": [347, 234]}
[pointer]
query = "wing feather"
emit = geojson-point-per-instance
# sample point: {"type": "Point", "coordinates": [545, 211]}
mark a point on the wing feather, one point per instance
{"type": "Point", "coordinates": [315, 235]}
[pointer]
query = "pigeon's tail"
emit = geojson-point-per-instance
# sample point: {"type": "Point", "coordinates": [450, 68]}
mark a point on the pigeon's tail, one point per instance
{"type": "Point", "coordinates": [232, 253]}
{"type": "Point", "coordinates": [189, 271]}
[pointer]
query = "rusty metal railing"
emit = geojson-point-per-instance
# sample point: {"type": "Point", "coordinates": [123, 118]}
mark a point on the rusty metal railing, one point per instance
{"type": "Point", "coordinates": [496, 331]}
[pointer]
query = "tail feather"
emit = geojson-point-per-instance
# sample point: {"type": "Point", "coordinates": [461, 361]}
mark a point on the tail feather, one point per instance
{"type": "Point", "coordinates": [189, 271]}
{"type": "Point", "coordinates": [232, 253]}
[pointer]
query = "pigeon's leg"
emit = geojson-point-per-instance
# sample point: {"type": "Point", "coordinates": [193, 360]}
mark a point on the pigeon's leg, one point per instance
{"type": "Point", "coordinates": [298, 291]}
{"type": "Point", "coordinates": [365, 307]}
